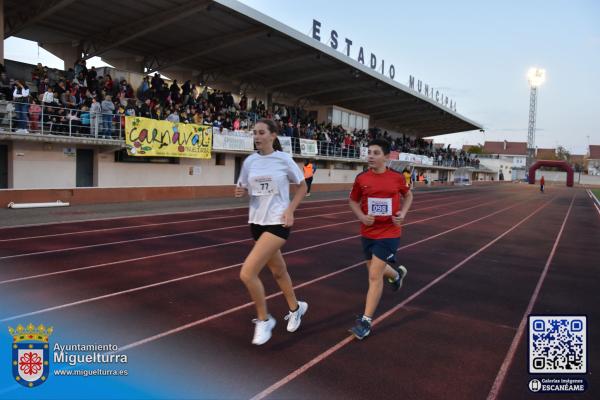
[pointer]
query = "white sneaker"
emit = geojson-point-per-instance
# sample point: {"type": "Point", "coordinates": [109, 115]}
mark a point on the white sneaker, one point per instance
{"type": "Point", "coordinates": [295, 318]}
{"type": "Point", "coordinates": [262, 330]}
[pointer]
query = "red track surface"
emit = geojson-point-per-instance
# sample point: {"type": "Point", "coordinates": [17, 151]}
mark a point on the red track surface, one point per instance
{"type": "Point", "coordinates": [478, 259]}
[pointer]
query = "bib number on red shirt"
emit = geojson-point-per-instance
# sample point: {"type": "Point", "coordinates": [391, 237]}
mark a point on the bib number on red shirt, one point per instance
{"type": "Point", "coordinates": [379, 207]}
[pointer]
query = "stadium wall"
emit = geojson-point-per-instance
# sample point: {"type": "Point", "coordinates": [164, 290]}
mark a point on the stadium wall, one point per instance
{"type": "Point", "coordinates": [45, 172]}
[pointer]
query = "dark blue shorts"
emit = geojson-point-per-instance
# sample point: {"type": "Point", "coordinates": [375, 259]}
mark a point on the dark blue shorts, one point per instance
{"type": "Point", "coordinates": [384, 249]}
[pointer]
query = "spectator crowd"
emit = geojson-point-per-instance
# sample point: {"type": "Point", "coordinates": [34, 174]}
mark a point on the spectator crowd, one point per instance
{"type": "Point", "coordinates": [79, 101]}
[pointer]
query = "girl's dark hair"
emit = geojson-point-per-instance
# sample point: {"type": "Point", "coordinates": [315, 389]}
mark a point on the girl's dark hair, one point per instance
{"type": "Point", "coordinates": [272, 127]}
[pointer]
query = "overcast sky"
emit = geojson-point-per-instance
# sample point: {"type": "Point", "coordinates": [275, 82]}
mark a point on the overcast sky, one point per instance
{"type": "Point", "coordinates": [477, 52]}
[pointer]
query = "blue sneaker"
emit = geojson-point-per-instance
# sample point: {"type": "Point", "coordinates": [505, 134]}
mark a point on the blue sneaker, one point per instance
{"type": "Point", "coordinates": [361, 330]}
{"type": "Point", "coordinates": [397, 283]}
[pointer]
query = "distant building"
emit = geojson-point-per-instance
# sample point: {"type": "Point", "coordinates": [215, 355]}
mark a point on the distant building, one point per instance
{"type": "Point", "coordinates": [593, 160]}
{"type": "Point", "coordinates": [545, 154]}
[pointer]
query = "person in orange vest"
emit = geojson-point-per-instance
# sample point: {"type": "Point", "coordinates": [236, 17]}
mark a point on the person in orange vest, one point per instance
{"type": "Point", "coordinates": [309, 172]}
{"type": "Point", "coordinates": [407, 177]}
{"type": "Point", "coordinates": [542, 183]}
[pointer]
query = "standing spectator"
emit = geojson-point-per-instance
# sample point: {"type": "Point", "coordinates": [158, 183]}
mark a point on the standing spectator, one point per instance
{"type": "Point", "coordinates": [95, 116]}
{"type": "Point", "coordinates": [157, 83]}
{"type": "Point", "coordinates": [34, 116]}
{"type": "Point", "coordinates": [144, 88]}
{"type": "Point", "coordinates": [186, 89]}
{"type": "Point", "coordinates": [408, 177]}
{"type": "Point", "coordinates": [44, 85]}
{"type": "Point", "coordinates": [108, 109]}
{"type": "Point", "coordinates": [37, 74]}
{"type": "Point", "coordinates": [309, 173]}
{"type": "Point", "coordinates": [85, 120]}
{"type": "Point", "coordinates": [70, 74]}
{"type": "Point", "coordinates": [108, 84]}
{"type": "Point", "coordinates": [542, 183]}
{"type": "Point", "coordinates": [175, 92]}
{"type": "Point", "coordinates": [5, 87]}
{"type": "Point", "coordinates": [92, 79]}
{"type": "Point", "coordinates": [21, 99]}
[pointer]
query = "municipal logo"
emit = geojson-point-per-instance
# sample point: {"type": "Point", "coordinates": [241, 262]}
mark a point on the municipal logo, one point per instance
{"type": "Point", "coordinates": [30, 354]}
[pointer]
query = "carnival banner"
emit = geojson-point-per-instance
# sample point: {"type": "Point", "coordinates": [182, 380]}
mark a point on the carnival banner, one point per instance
{"type": "Point", "coordinates": [147, 137]}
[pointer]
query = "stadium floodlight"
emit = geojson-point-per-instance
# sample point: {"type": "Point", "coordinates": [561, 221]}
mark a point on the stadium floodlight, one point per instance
{"type": "Point", "coordinates": [536, 77]}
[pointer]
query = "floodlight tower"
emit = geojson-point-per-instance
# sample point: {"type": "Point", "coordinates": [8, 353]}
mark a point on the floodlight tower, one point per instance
{"type": "Point", "coordinates": [535, 76]}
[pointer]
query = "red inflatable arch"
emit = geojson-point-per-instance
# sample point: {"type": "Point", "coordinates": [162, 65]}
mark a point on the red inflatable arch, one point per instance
{"type": "Point", "coordinates": [551, 163]}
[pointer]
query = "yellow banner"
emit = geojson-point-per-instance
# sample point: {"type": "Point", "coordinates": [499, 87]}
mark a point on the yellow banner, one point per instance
{"type": "Point", "coordinates": [147, 137]}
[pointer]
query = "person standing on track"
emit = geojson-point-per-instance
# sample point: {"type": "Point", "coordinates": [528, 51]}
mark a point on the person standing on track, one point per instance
{"type": "Point", "coordinates": [542, 183]}
{"type": "Point", "coordinates": [266, 176]}
{"type": "Point", "coordinates": [375, 200]}
{"type": "Point", "coordinates": [408, 177]}
{"type": "Point", "coordinates": [309, 173]}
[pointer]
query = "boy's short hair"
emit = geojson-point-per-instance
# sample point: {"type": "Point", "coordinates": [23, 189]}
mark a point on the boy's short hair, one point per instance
{"type": "Point", "coordinates": [384, 144]}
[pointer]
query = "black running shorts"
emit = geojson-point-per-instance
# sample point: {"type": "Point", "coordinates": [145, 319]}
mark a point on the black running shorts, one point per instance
{"type": "Point", "coordinates": [277, 230]}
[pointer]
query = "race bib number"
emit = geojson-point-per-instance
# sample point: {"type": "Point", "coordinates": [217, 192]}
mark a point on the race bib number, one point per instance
{"type": "Point", "coordinates": [263, 186]}
{"type": "Point", "coordinates": [380, 207]}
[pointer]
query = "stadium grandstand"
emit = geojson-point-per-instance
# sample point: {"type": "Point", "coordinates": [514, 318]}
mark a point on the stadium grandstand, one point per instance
{"type": "Point", "coordinates": [242, 66]}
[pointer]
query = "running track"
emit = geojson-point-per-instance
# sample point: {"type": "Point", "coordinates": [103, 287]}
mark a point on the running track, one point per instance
{"type": "Point", "coordinates": [479, 259]}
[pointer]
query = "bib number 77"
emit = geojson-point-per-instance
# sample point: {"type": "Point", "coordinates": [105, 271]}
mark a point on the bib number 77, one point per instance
{"type": "Point", "coordinates": [263, 186]}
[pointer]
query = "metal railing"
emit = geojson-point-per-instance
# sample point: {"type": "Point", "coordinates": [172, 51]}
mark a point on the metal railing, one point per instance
{"type": "Point", "coordinates": [328, 149]}
{"type": "Point", "coordinates": [452, 163]}
{"type": "Point", "coordinates": [45, 119]}
{"type": "Point", "coordinates": [48, 119]}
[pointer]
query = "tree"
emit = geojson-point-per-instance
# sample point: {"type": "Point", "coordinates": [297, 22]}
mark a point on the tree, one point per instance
{"type": "Point", "coordinates": [562, 153]}
{"type": "Point", "coordinates": [476, 149]}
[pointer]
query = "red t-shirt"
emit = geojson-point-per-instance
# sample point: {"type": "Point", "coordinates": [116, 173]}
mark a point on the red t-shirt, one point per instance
{"type": "Point", "coordinates": [379, 195]}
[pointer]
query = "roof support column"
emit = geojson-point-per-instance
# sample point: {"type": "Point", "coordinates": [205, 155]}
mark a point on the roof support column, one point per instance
{"type": "Point", "coordinates": [2, 30]}
{"type": "Point", "coordinates": [68, 52]}
{"type": "Point", "coordinates": [132, 64]}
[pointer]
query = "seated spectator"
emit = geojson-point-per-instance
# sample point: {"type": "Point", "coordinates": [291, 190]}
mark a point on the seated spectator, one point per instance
{"type": "Point", "coordinates": [173, 117]}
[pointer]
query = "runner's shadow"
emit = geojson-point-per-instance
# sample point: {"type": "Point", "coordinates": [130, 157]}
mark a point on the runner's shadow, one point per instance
{"type": "Point", "coordinates": [340, 321]}
{"type": "Point", "coordinates": [404, 320]}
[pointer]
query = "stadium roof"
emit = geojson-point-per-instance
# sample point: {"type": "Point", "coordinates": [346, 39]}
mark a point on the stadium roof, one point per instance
{"type": "Point", "coordinates": [226, 41]}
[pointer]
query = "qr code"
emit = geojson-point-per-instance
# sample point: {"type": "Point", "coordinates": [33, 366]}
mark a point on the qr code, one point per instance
{"type": "Point", "coordinates": [557, 344]}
